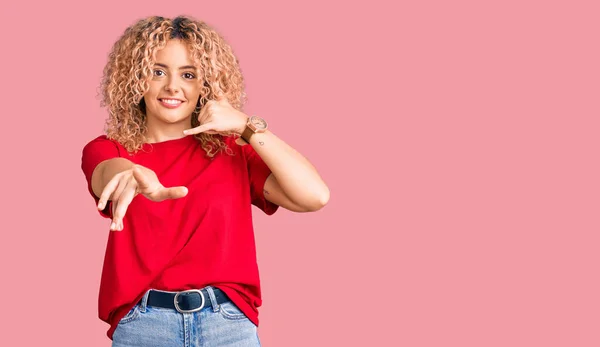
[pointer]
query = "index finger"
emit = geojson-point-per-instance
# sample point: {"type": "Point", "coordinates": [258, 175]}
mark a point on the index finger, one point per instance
{"type": "Point", "coordinates": [107, 192]}
{"type": "Point", "coordinates": [199, 129]}
{"type": "Point", "coordinates": [122, 205]}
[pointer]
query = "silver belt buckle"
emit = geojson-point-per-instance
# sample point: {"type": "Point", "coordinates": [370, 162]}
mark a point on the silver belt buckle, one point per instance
{"type": "Point", "coordinates": [189, 291]}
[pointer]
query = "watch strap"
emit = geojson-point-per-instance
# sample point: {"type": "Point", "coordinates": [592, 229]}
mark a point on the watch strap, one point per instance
{"type": "Point", "coordinates": [247, 134]}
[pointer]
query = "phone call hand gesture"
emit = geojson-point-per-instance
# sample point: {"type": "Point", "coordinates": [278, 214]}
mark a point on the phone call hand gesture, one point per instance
{"type": "Point", "coordinates": [219, 117]}
{"type": "Point", "coordinates": [126, 185]}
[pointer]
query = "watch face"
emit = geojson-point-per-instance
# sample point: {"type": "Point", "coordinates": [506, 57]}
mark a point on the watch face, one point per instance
{"type": "Point", "coordinates": [258, 122]}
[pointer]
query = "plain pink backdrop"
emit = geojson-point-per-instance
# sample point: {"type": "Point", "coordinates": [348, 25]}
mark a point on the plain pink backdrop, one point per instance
{"type": "Point", "coordinates": [459, 140]}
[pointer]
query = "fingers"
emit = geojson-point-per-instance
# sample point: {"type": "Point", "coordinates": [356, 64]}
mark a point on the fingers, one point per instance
{"type": "Point", "coordinates": [120, 190]}
{"type": "Point", "coordinates": [204, 112]}
{"type": "Point", "coordinates": [108, 191]}
{"type": "Point", "coordinates": [207, 127]}
{"type": "Point", "coordinates": [123, 188]}
{"type": "Point", "coordinates": [150, 186]}
{"type": "Point", "coordinates": [206, 116]}
{"type": "Point", "coordinates": [143, 182]}
{"type": "Point", "coordinates": [213, 118]}
{"type": "Point", "coordinates": [122, 204]}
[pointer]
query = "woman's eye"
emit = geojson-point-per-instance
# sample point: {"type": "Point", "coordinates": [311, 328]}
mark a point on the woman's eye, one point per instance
{"type": "Point", "coordinates": [189, 75]}
{"type": "Point", "coordinates": [158, 73]}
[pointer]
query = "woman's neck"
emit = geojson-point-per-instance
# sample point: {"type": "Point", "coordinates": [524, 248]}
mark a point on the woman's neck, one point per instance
{"type": "Point", "coordinates": [165, 131]}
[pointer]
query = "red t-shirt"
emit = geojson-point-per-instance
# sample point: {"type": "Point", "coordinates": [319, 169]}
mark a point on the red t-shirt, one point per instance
{"type": "Point", "coordinates": [204, 238]}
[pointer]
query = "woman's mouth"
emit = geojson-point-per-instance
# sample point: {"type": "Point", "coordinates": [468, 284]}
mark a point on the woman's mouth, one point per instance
{"type": "Point", "coordinates": [170, 103]}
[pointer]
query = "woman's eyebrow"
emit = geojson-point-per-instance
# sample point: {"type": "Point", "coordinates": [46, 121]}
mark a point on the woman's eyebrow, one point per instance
{"type": "Point", "coordinates": [180, 68]}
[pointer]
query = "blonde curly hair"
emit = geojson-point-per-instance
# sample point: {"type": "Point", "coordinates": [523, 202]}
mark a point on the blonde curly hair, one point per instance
{"type": "Point", "coordinates": [130, 64]}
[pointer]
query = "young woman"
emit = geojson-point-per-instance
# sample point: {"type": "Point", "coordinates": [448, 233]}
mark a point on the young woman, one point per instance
{"type": "Point", "coordinates": [177, 172]}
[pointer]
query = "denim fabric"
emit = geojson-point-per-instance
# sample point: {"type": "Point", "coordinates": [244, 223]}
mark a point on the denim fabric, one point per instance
{"type": "Point", "coordinates": [219, 325]}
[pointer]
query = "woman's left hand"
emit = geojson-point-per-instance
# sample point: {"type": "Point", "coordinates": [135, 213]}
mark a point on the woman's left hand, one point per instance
{"type": "Point", "coordinates": [219, 117]}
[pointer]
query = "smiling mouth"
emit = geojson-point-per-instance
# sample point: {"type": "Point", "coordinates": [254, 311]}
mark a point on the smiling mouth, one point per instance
{"type": "Point", "coordinates": [170, 103]}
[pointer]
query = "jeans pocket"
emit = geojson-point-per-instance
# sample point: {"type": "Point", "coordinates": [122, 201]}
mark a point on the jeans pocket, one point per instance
{"type": "Point", "coordinates": [131, 315]}
{"type": "Point", "coordinates": [230, 311]}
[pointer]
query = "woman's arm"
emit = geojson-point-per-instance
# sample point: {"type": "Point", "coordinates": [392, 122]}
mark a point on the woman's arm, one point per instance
{"type": "Point", "coordinates": [120, 180]}
{"type": "Point", "coordinates": [294, 183]}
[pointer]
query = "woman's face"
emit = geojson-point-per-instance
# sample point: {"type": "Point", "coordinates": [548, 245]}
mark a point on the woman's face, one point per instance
{"type": "Point", "coordinates": [174, 87]}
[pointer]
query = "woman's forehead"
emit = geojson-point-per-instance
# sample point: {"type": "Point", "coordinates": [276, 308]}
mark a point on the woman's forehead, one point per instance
{"type": "Point", "coordinates": [177, 53]}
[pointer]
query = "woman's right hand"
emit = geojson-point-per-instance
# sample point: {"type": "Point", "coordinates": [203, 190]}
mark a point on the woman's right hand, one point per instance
{"type": "Point", "coordinates": [124, 186]}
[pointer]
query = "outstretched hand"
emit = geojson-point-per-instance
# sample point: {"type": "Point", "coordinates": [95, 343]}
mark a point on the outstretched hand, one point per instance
{"type": "Point", "coordinates": [126, 185]}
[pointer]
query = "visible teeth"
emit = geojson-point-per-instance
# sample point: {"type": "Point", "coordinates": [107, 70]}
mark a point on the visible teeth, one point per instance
{"type": "Point", "coordinates": [173, 102]}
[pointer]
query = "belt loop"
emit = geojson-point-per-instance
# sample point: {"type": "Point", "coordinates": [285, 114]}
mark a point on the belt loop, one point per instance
{"type": "Point", "coordinates": [144, 301]}
{"type": "Point", "coordinates": [213, 299]}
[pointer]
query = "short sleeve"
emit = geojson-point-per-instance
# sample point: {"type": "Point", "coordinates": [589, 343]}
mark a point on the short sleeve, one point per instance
{"type": "Point", "coordinates": [95, 152]}
{"type": "Point", "coordinates": [258, 173]}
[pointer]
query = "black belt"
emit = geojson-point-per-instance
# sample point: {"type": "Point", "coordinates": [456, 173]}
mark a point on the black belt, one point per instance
{"type": "Point", "coordinates": [186, 301]}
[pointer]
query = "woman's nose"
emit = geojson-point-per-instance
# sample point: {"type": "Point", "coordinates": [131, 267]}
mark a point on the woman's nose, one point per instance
{"type": "Point", "coordinates": [171, 86]}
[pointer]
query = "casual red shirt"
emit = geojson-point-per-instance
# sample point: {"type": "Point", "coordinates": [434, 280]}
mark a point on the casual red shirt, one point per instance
{"type": "Point", "coordinates": [204, 238]}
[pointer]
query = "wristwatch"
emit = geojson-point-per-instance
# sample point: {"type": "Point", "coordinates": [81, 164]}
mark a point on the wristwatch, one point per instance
{"type": "Point", "coordinates": [255, 124]}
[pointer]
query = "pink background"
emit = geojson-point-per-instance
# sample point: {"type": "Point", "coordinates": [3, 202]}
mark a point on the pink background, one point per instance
{"type": "Point", "coordinates": [459, 140]}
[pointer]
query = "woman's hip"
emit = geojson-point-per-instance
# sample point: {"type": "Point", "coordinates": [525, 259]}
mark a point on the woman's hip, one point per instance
{"type": "Point", "coordinates": [190, 318]}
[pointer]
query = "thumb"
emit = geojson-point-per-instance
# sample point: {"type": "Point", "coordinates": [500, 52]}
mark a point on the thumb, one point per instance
{"type": "Point", "coordinates": [168, 193]}
{"type": "Point", "coordinates": [174, 192]}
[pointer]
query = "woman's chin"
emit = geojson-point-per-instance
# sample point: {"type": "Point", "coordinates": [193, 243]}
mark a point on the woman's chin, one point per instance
{"type": "Point", "coordinates": [171, 118]}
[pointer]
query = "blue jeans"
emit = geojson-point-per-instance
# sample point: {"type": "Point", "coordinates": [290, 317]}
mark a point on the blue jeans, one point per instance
{"type": "Point", "coordinates": [219, 325]}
